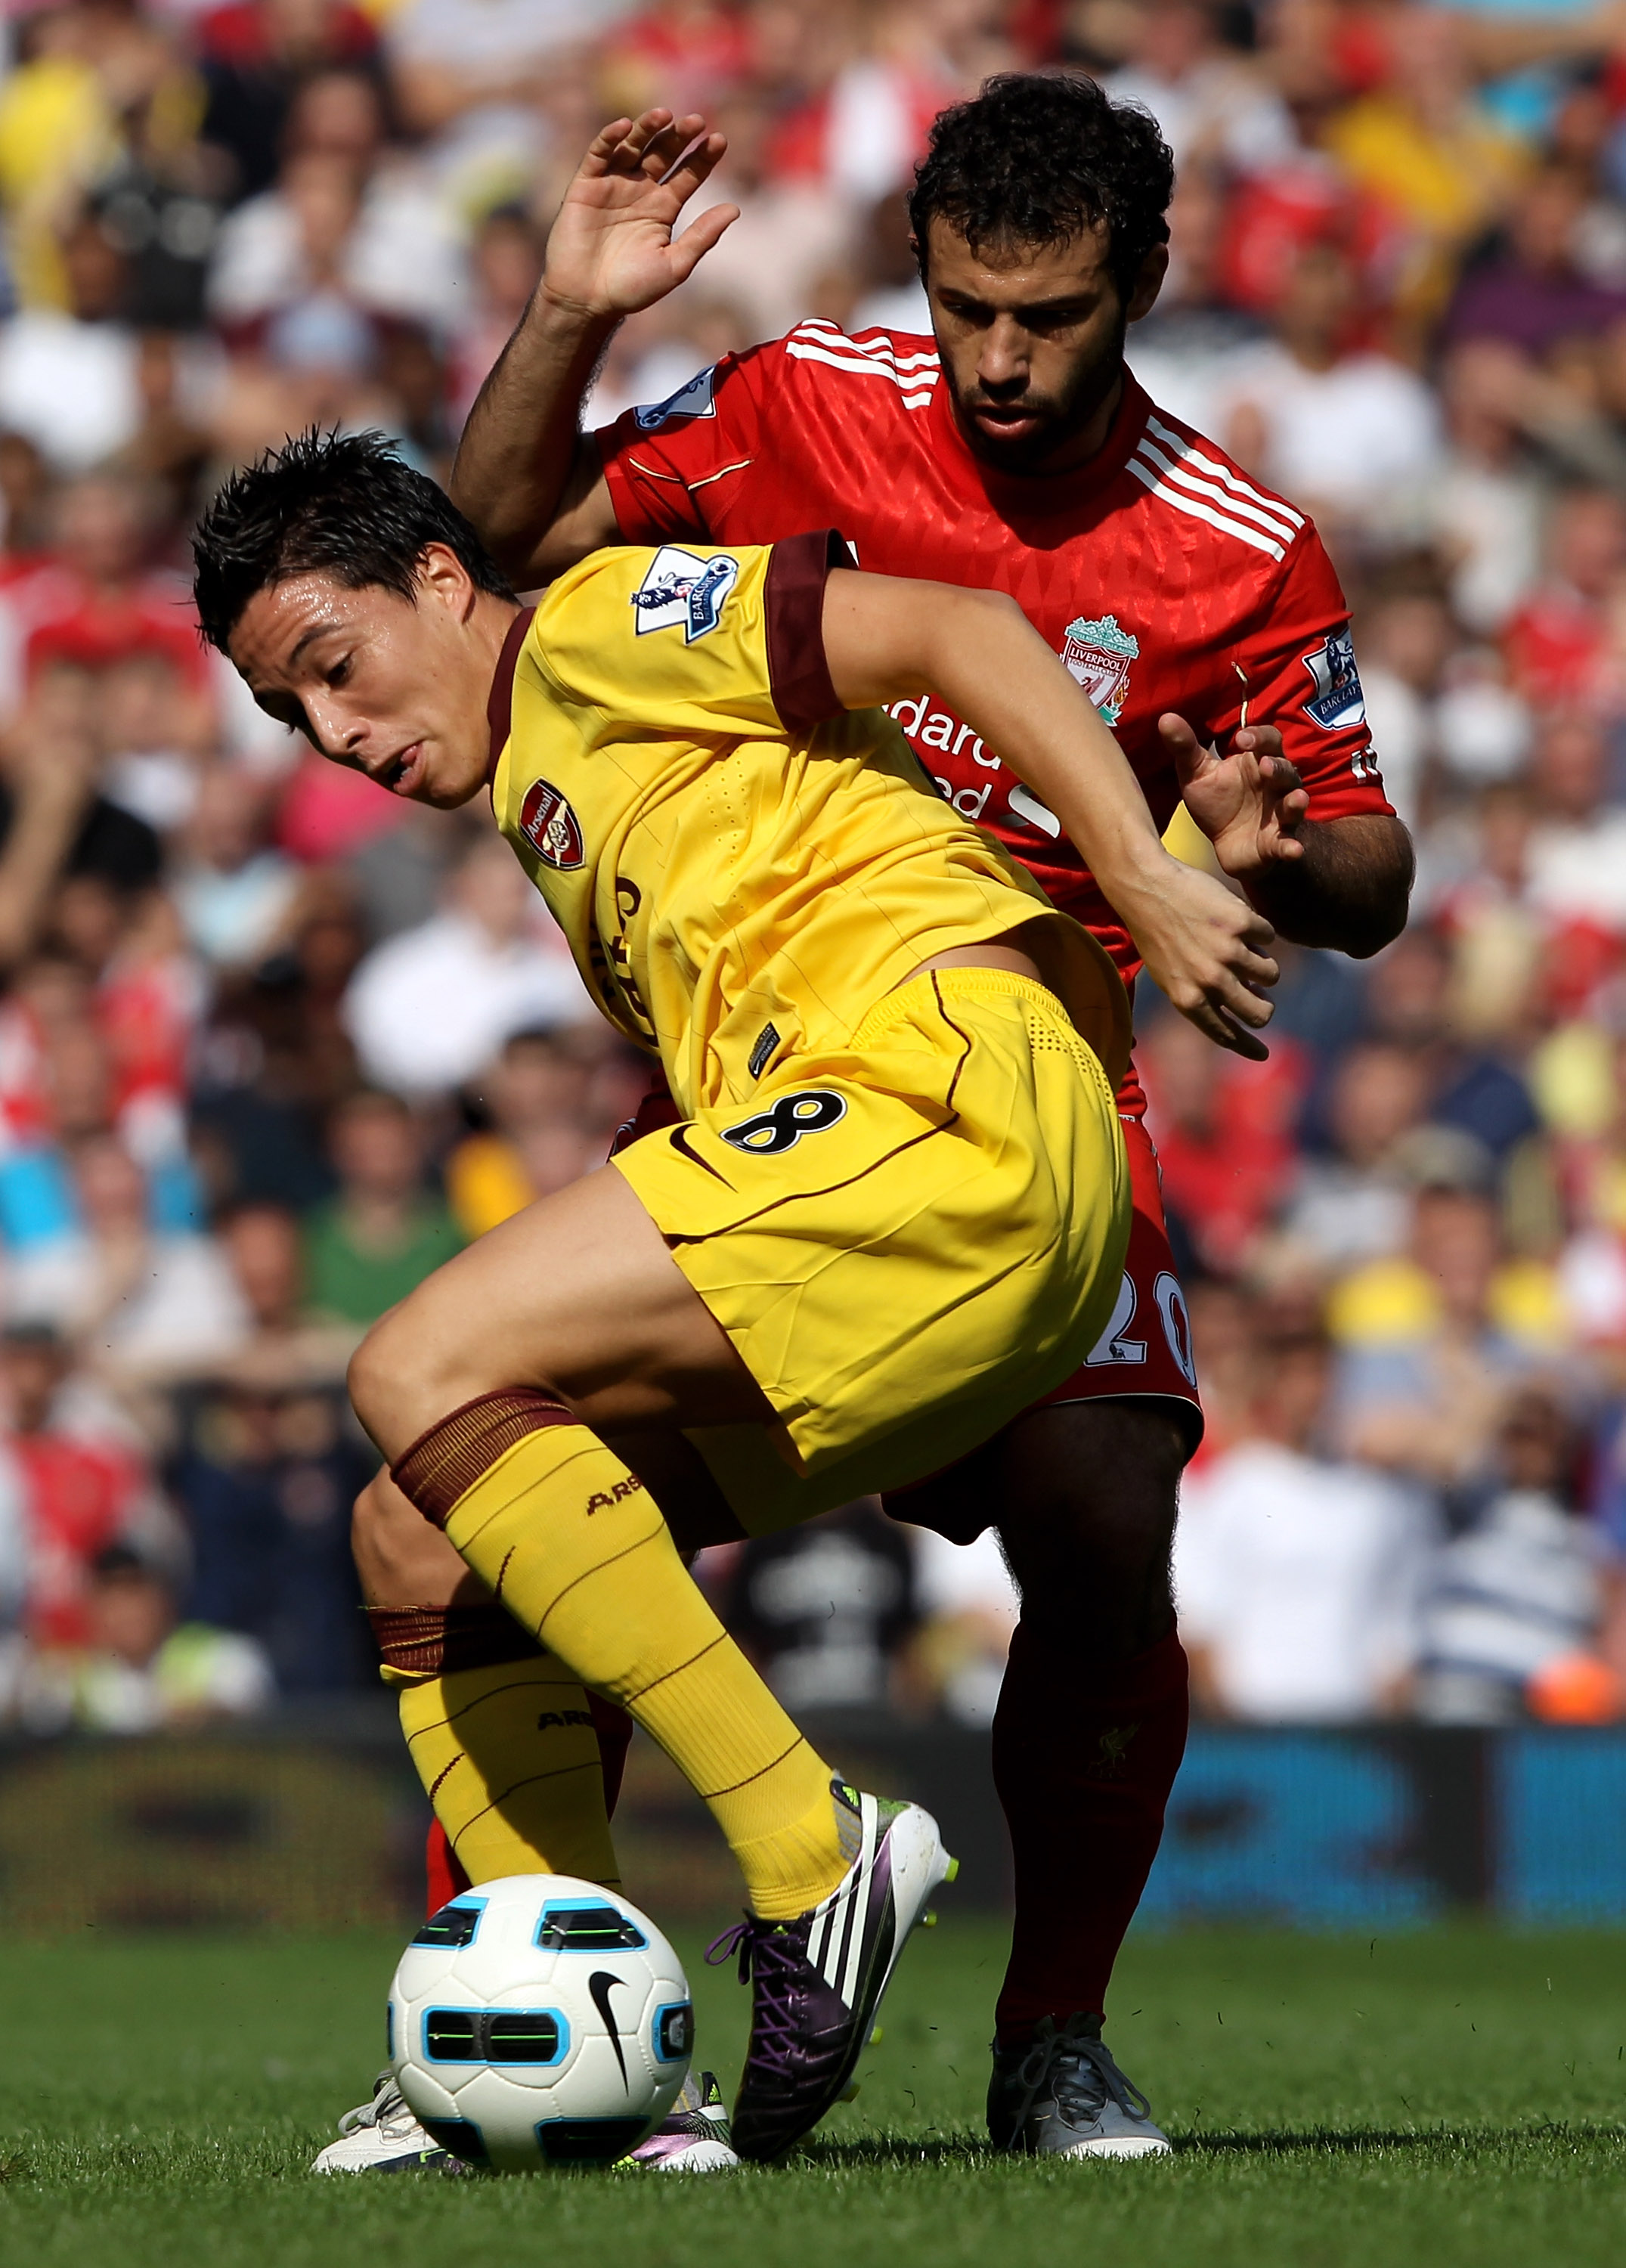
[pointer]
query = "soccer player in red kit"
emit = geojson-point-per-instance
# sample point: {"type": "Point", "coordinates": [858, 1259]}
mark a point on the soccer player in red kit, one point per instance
{"type": "Point", "coordinates": [1012, 450]}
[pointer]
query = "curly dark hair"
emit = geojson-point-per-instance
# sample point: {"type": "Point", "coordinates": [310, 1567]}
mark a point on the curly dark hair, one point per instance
{"type": "Point", "coordinates": [344, 504]}
{"type": "Point", "coordinates": [1038, 157]}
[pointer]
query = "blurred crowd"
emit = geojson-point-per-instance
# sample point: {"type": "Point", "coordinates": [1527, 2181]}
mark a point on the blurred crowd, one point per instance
{"type": "Point", "coordinates": [272, 1045]}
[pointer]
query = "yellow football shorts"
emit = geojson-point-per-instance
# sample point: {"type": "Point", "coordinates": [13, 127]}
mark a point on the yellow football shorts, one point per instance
{"type": "Point", "coordinates": [908, 1242]}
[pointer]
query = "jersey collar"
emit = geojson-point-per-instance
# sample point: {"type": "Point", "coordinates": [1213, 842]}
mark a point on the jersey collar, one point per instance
{"type": "Point", "coordinates": [500, 700]}
{"type": "Point", "coordinates": [1016, 496]}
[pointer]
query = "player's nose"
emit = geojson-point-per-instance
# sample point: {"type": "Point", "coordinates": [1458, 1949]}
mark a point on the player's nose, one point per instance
{"type": "Point", "coordinates": [1002, 362]}
{"type": "Point", "coordinates": [336, 734]}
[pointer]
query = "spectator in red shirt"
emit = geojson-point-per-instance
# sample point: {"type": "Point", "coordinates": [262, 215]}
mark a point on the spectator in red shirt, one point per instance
{"type": "Point", "coordinates": [82, 1495]}
{"type": "Point", "coordinates": [1556, 641]}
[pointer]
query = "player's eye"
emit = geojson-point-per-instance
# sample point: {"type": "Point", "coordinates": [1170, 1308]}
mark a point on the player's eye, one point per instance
{"type": "Point", "coordinates": [285, 710]}
{"type": "Point", "coordinates": [339, 672]}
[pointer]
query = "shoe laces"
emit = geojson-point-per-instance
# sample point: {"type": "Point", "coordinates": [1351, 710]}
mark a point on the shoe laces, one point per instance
{"type": "Point", "coordinates": [1076, 2066]}
{"type": "Point", "coordinates": [389, 2112]}
{"type": "Point", "coordinates": [772, 1961]}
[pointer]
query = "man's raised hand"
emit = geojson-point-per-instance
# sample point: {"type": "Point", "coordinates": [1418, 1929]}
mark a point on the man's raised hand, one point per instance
{"type": "Point", "coordinates": [611, 250]}
{"type": "Point", "coordinates": [1250, 804]}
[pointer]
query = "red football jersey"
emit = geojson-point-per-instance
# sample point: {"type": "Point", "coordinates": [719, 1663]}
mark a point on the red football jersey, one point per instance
{"type": "Point", "coordinates": [1164, 578]}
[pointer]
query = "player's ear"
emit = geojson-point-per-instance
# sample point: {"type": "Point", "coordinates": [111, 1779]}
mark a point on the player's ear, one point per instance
{"type": "Point", "coordinates": [1148, 284]}
{"type": "Point", "coordinates": [442, 576]}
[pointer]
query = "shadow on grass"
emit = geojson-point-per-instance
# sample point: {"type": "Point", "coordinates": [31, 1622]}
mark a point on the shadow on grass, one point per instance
{"type": "Point", "coordinates": [1330, 2141]}
{"type": "Point", "coordinates": [880, 2152]}
{"type": "Point", "coordinates": [876, 2151]}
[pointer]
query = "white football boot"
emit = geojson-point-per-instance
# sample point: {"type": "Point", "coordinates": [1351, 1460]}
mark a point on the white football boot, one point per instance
{"type": "Point", "coordinates": [384, 2137]}
{"type": "Point", "coordinates": [694, 2137]}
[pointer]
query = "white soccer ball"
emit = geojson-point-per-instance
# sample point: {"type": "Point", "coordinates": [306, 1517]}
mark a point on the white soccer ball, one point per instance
{"type": "Point", "coordinates": [539, 2021]}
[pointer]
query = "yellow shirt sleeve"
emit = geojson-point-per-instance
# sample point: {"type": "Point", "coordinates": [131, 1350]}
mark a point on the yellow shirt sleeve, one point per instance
{"type": "Point", "coordinates": [707, 642]}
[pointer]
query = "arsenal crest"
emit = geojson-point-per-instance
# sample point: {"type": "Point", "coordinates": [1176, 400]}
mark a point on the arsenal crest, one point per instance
{"type": "Point", "coordinates": [550, 827]}
{"type": "Point", "coordinates": [1099, 655]}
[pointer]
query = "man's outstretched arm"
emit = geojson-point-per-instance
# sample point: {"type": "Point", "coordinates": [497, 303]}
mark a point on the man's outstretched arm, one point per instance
{"type": "Point", "coordinates": [528, 481]}
{"type": "Point", "coordinates": [885, 639]}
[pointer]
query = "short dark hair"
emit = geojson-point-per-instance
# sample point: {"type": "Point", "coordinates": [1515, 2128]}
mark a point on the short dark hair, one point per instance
{"type": "Point", "coordinates": [1039, 156]}
{"type": "Point", "coordinates": [346, 504]}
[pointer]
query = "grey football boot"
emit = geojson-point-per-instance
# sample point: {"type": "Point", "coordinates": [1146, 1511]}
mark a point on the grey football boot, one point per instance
{"type": "Point", "coordinates": [1061, 2095]}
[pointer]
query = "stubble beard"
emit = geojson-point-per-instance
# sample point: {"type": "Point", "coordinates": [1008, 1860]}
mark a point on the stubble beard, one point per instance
{"type": "Point", "coordinates": [1063, 422]}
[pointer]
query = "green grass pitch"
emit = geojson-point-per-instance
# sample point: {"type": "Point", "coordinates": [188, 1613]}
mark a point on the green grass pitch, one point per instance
{"type": "Point", "coordinates": [1450, 2097]}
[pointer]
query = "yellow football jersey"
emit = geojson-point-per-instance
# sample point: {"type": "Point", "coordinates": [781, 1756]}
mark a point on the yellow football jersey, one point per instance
{"type": "Point", "coordinates": [742, 868]}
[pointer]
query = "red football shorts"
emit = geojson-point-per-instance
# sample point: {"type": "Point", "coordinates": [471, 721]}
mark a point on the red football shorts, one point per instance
{"type": "Point", "coordinates": [1146, 1350]}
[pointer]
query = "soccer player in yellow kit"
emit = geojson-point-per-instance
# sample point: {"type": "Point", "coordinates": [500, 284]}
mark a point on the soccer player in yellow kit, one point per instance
{"type": "Point", "coordinates": [894, 1213]}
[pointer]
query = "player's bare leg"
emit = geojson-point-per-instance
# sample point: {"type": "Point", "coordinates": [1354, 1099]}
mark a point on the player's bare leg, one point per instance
{"type": "Point", "coordinates": [1086, 1498]}
{"type": "Point", "coordinates": [577, 1296]}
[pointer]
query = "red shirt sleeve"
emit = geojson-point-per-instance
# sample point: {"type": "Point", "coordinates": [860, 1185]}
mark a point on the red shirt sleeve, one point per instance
{"type": "Point", "coordinates": [1299, 662]}
{"type": "Point", "coordinates": [658, 461]}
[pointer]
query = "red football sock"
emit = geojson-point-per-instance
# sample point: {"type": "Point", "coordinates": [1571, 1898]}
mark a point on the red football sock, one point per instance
{"type": "Point", "coordinates": [447, 1879]}
{"type": "Point", "coordinates": [614, 1727]}
{"type": "Point", "coordinates": [1083, 1760]}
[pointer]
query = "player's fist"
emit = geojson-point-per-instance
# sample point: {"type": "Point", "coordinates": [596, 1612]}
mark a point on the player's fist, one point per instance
{"type": "Point", "coordinates": [611, 251]}
{"type": "Point", "coordinates": [1250, 804]}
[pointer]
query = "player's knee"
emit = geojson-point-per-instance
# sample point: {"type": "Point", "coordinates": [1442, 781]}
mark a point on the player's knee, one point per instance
{"type": "Point", "coordinates": [388, 1384]}
{"type": "Point", "coordinates": [1089, 1495]}
{"type": "Point", "coordinates": [1102, 1464]}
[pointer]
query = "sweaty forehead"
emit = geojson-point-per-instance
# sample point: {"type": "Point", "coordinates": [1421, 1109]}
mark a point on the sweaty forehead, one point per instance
{"type": "Point", "coordinates": [284, 621]}
{"type": "Point", "coordinates": [1013, 275]}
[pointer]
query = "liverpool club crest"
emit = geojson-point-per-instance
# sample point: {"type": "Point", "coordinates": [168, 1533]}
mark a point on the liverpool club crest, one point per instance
{"type": "Point", "coordinates": [1099, 655]}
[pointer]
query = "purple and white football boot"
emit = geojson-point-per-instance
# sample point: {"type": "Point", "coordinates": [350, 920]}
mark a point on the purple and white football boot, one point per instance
{"type": "Point", "coordinates": [816, 1982]}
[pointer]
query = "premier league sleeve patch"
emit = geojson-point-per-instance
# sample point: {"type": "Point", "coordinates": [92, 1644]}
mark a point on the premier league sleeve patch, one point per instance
{"type": "Point", "coordinates": [680, 590]}
{"type": "Point", "coordinates": [694, 400]}
{"type": "Point", "coordinates": [1337, 700]}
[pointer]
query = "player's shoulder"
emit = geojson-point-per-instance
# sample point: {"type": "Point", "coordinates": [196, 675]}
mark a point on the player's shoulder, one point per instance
{"type": "Point", "coordinates": [1184, 473]}
{"type": "Point", "coordinates": [815, 367]}
{"type": "Point", "coordinates": [897, 368]}
{"type": "Point", "coordinates": [637, 589]}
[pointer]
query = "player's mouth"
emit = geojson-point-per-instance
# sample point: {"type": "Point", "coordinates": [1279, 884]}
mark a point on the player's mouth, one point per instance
{"type": "Point", "coordinates": [1005, 423]}
{"type": "Point", "coordinates": [403, 773]}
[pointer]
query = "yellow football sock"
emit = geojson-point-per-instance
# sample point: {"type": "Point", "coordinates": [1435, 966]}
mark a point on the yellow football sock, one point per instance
{"type": "Point", "coordinates": [569, 1540]}
{"type": "Point", "coordinates": [508, 1759]}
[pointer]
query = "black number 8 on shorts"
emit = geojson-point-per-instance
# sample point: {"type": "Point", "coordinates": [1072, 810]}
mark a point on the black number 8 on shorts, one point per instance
{"type": "Point", "coordinates": [781, 1127]}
